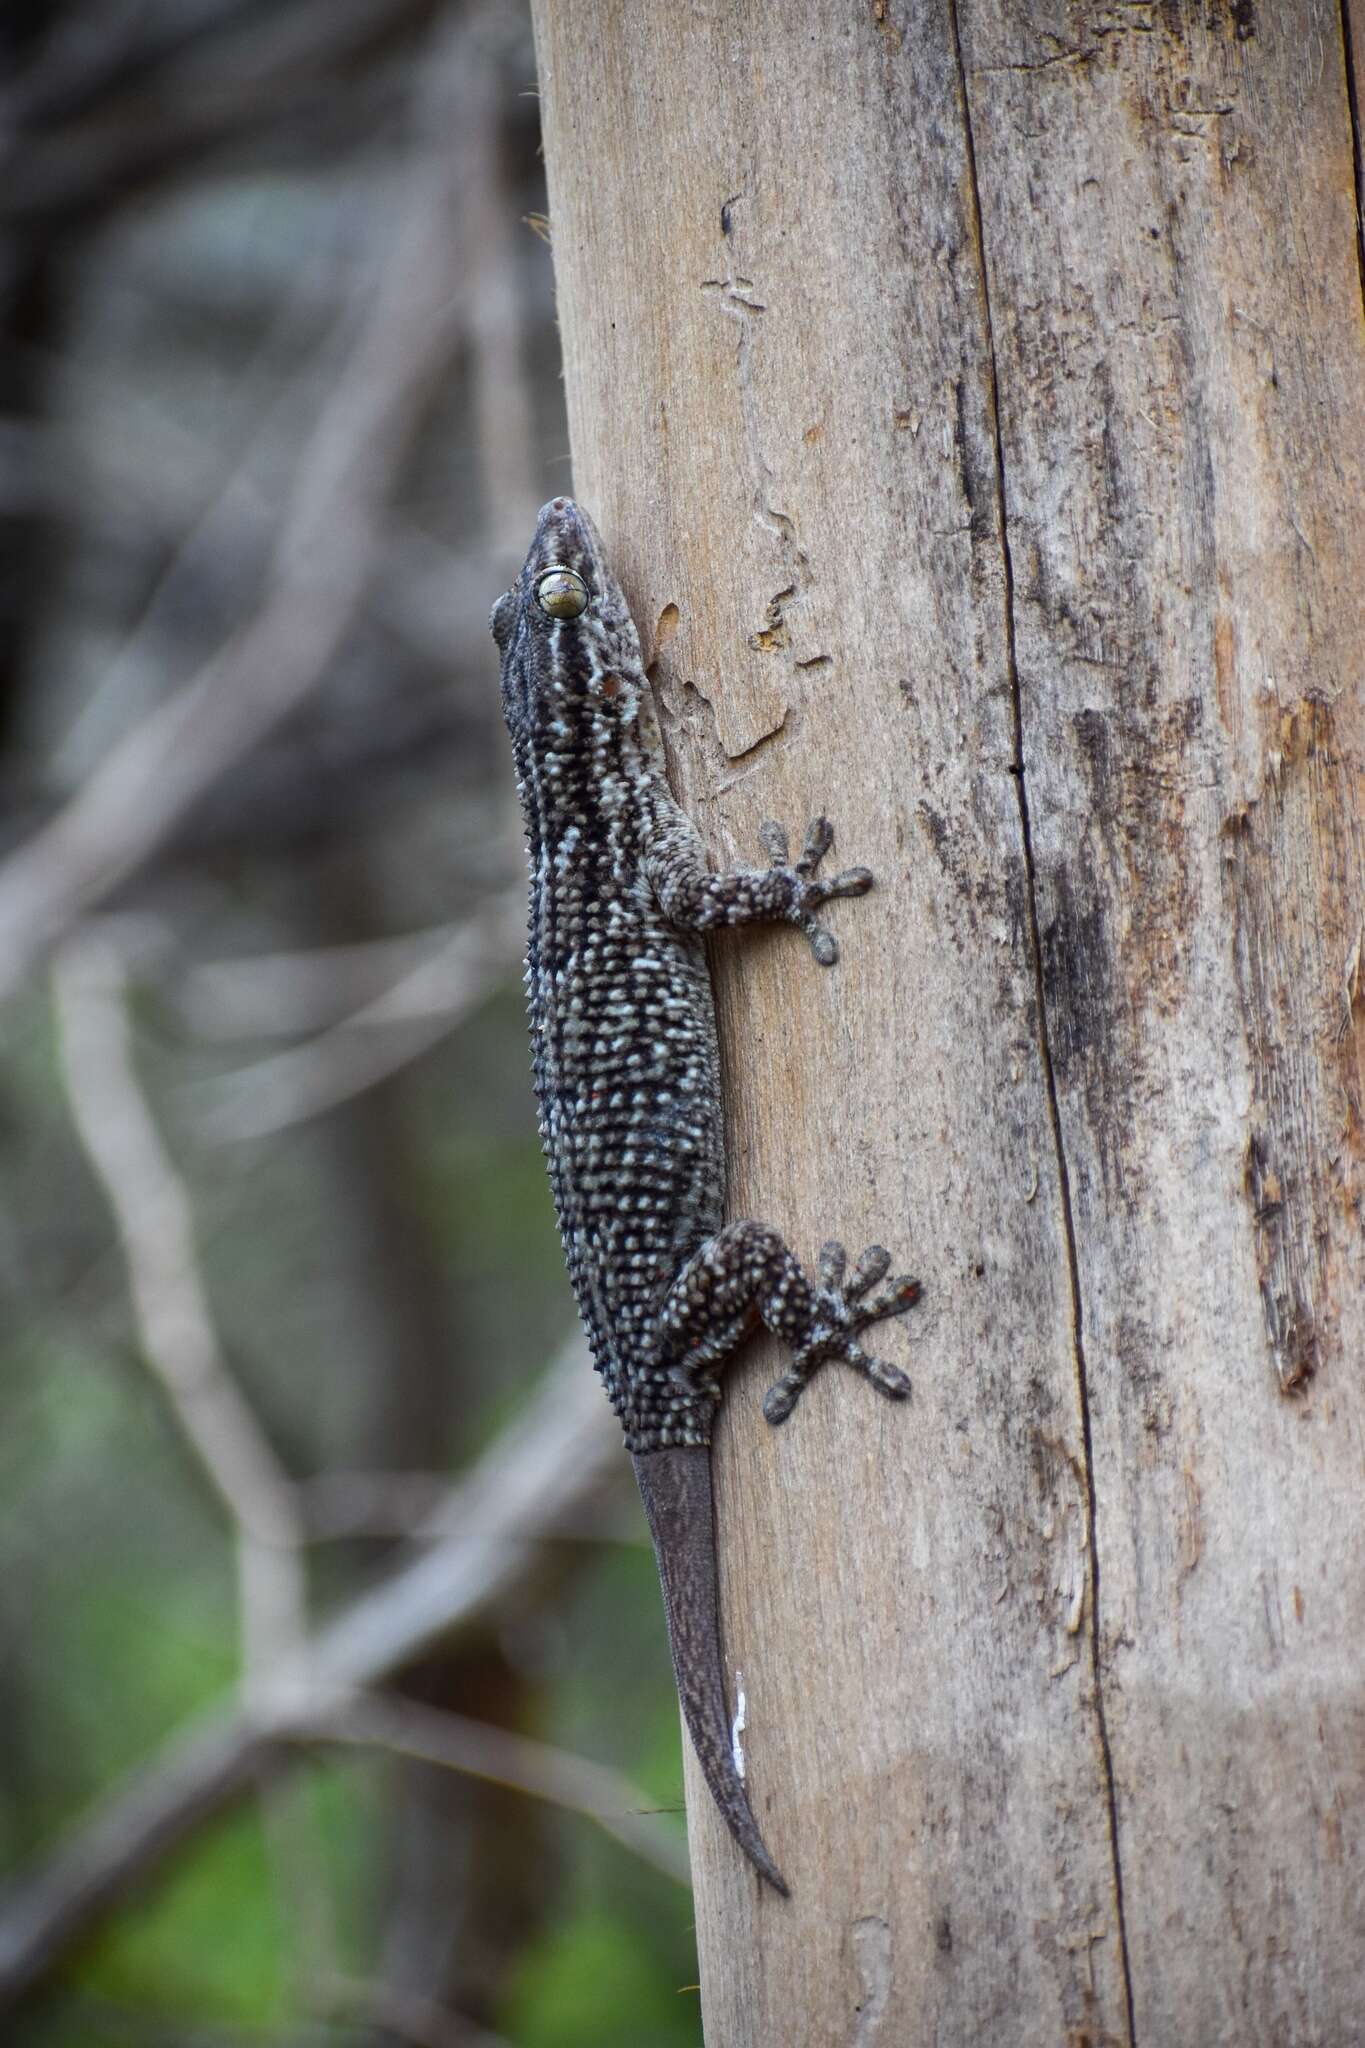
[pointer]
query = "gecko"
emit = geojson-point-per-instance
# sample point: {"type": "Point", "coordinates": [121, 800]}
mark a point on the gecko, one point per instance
{"type": "Point", "coordinates": [627, 1079]}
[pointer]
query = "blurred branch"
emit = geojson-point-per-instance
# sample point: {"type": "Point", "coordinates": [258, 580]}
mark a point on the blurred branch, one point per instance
{"type": "Point", "coordinates": [408, 2017]}
{"type": "Point", "coordinates": [430, 1735]}
{"type": "Point", "coordinates": [364, 1049]}
{"type": "Point", "coordinates": [500, 403]}
{"type": "Point", "coordinates": [321, 782]}
{"type": "Point", "coordinates": [279, 995]}
{"type": "Point", "coordinates": [341, 1505]}
{"type": "Point", "coordinates": [155, 1224]}
{"type": "Point", "coordinates": [91, 125]}
{"type": "Point", "coordinates": [326, 553]}
{"type": "Point", "coordinates": [224, 517]}
{"type": "Point", "coordinates": [226, 527]}
{"type": "Point", "coordinates": [563, 1451]}
{"type": "Point", "coordinates": [93, 50]}
{"type": "Point", "coordinates": [178, 1340]}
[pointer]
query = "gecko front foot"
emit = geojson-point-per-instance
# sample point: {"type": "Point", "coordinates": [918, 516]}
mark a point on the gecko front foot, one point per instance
{"type": "Point", "coordinates": [808, 890]}
{"type": "Point", "coordinates": [841, 1310]}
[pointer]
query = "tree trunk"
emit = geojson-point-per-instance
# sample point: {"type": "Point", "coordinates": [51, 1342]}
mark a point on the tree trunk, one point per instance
{"type": "Point", "coordinates": [974, 398]}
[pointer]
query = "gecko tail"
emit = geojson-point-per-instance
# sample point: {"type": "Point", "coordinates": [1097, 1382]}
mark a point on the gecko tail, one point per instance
{"type": "Point", "coordinates": [675, 1486]}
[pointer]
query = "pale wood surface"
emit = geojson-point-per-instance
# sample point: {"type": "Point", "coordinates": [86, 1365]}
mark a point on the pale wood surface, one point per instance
{"type": "Point", "coordinates": [1019, 1780]}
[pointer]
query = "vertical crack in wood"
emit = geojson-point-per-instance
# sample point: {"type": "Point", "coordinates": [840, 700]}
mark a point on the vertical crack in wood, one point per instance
{"type": "Point", "coordinates": [1357, 148]}
{"type": "Point", "coordinates": [1044, 1040]}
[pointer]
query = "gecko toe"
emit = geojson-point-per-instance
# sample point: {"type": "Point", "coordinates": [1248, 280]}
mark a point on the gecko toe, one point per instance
{"type": "Point", "coordinates": [888, 1379]}
{"type": "Point", "coordinates": [872, 1266]}
{"type": "Point", "coordinates": [818, 841]}
{"type": "Point", "coordinates": [779, 1401]}
{"type": "Point", "coordinates": [852, 882]}
{"type": "Point", "coordinates": [902, 1294]}
{"type": "Point", "coordinates": [832, 1264]}
{"type": "Point", "coordinates": [772, 837]}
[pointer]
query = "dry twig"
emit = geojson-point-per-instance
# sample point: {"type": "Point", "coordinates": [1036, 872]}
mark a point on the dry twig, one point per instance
{"type": "Point", "coordinates": [175, 1329]}
{"type": "Point", "coordinates": [178, 1340]}
{"type": "Point", "coordinates": [386, 1034]}
{"type": "Point", "coordinates": [563, 1452]}
{"type": "Point", "coordinates": [429, 1735]}
{"type": "Point", "coordinates": [405, 2015]}
{"type": "Point", "coordinates": [288, 994]}
{"type": "Point", "coordinates": [326, 553]}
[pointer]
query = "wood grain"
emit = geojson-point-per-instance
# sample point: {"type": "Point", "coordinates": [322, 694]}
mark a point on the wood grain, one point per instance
{"type": "Point", "coordinates": [961, 389]}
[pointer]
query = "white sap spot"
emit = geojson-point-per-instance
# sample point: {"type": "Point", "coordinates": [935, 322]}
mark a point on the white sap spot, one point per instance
{"type": "Point", "coordinates": [737, 1726]}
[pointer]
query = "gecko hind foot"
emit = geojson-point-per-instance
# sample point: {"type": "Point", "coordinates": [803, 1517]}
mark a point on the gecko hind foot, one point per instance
{"type": "Point", "coordinates": [808, 890]}
{"type": "Point", "coordinates": [842, 1309]}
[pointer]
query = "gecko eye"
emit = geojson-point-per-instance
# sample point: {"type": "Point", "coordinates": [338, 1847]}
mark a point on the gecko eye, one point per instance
{"type": "Point", "coordinates": [562, 594]}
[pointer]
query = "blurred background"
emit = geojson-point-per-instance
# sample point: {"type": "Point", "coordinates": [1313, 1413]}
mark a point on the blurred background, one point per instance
{"type": "Point", "coordinates": [334, 1692]}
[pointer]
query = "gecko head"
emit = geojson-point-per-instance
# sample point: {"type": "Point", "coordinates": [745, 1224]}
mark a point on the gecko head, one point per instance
{"type": "Point", "coordinates": [564, 629]}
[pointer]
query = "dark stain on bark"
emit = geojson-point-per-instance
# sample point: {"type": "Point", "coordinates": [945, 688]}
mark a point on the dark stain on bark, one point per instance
{"type": "Point", "coordinates": [1291, 872]}
{"type": "Point", "coordinates": [978, 486]}
{"type": "Point", "coordinates": [1285, 1298]}
{"type": "Point", "coordinates": [1078, 980]}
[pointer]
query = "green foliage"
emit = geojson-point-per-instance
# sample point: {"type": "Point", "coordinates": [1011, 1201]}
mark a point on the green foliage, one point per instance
{"type": "Point", "coordinates": [617, 1967]}
{"type": "Point", "coordinates": [208, 1941]}
{"type": "Point", "coordinates": [217, 1946]}
{"type": "Point", "coordinates": [484, 1197]}
{"type": "Point", "coordinates": [593, 1981]}
{"type": "Point", "coordinates": [130, 1618]}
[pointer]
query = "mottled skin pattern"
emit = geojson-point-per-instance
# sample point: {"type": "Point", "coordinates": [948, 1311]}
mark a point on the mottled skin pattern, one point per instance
{"type": "Point", "coordinates": [627, 1078]}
